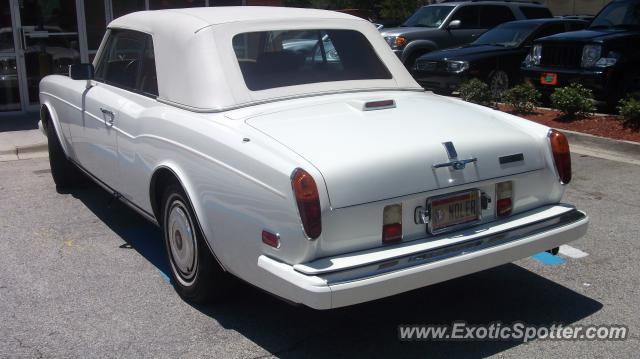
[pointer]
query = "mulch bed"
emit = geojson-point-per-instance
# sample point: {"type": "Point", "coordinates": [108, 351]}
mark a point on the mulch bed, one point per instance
{"type": "Point", "coordinates": [610, 126]}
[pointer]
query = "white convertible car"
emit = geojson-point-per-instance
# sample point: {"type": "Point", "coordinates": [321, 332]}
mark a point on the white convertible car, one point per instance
{"type": "Point", "coordinates": [291, 149]}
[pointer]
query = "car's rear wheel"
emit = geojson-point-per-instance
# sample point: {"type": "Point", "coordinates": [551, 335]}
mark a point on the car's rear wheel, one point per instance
{"type": "Point", "coordinates": [196, 275]}
{"type": "Point", "coordinates": [65, 174]}
{"type": "Point", "coordinates": [498, 83]}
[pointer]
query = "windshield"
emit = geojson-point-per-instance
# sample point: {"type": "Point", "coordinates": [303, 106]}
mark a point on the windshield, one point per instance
{"type": "Point", "coordinates": [271, 59]}
{"type": "Point", "coordinates": [429, 16]}
{"type": "Point", "coordinates": [618, 14]}
{"type": "Point", "coordinates": [508, 35]}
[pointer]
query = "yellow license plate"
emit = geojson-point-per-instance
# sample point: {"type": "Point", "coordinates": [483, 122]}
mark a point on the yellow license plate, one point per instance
{"type": "Point", "coordinates": [453, 211]}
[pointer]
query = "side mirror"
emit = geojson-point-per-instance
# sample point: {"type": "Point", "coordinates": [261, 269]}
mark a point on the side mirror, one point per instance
{"type": "Point", "coordinates": [81, 71]}
{"type": "Point", "coordinates": [455, 24]}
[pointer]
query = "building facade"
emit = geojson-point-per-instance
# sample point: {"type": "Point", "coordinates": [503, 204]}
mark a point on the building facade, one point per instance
{"type": "Point", "coordinates": [42, 37]}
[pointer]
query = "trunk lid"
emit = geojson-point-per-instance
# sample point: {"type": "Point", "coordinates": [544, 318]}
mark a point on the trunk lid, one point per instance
{"type": "Point", "coordinates": [367, 156]}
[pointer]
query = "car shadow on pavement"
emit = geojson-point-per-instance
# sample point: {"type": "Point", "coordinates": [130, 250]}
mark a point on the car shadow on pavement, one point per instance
{"type": "Point", "coordinates": [505, 294]}
{"type": "Point", "coordinates": [138, 233]}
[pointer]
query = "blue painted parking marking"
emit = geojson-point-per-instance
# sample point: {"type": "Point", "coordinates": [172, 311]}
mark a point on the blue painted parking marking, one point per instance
{"type": "Point", "coordinates": [548, 259]}
{"type": "Point", "coordinates": [147, 240]}
{"type": "Point", "coordinates": [164, 276]}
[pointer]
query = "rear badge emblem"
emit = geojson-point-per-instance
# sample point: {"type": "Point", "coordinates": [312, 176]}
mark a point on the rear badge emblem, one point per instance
{"type": "Point", "coordinates": [454, 162]}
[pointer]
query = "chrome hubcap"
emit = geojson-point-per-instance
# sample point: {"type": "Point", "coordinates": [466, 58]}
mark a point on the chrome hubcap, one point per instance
{"type": "Point", "coordinates": [183, 247]}
{"type": "Point", "coordinates": [499, 83]}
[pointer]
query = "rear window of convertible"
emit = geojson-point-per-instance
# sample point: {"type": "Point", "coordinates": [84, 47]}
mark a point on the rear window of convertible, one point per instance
{"type": "Point", "coordinates": [271, 59]}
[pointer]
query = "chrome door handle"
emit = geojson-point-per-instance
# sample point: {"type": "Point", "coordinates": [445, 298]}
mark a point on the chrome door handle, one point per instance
{"type": "Point", "coordinates": [108, 114]}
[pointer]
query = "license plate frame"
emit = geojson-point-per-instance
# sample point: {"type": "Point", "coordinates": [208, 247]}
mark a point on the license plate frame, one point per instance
{"type": "Point", "coordinates": [433, 227]}
{"type": "Point", "coordinates": [549, 78]}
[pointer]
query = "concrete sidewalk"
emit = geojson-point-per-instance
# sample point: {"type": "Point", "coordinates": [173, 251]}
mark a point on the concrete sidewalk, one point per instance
{"type": "Point", "coordinates": [20, 145]}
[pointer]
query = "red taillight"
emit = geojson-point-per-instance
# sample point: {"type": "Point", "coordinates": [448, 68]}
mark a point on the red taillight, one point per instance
{"type": "Point", "coordinates": [270, 239]}
{"type": "Point", "coordinates": [392, 223]}
{"type": "Point", "coordinates": [308, 199]}
{"type": "Point", "coordinates": [561, 155]}
{"type": "Point", "coordinates": [391, 232]}
{"type": "Point", "coordinates": [504, 203]}
{"type": "Point", "coordinates": [504, 207]}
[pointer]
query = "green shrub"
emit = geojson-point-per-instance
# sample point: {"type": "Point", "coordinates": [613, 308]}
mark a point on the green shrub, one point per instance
{"type": "Point", "coordinates": [573, 101]}
{"type": "Point", "coordinates": [476, 91]}
{"type": "Point", "coordinates": [522, 98]}
{"type": "Point", "coordinates": [629, 108]}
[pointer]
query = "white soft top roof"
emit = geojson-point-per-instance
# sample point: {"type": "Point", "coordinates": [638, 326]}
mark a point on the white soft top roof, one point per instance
{"type": "Point", "coordinates": [197, 67]}
{"type": "Point", "coordinates": [198, 18]}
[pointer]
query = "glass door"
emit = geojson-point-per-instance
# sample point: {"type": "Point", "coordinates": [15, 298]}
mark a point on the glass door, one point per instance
{"type": "Point", "coordinates": [9, 86]}
{"type": "Point", "coordinates": [49, 40]}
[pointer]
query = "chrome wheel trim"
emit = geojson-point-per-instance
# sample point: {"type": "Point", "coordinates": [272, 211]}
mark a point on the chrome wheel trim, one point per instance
{"type": "Point", "coordinates": [182, 243]}
{"type": "Point", "coordinates": [499, 82]}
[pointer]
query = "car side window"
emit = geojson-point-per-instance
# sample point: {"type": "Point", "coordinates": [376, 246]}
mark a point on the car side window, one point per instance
{"type": "Point", "coordinates": [531, 12]}
{"type": "Point", "coordinates": [494, 15]}
{"type": "Point", "coordinates": [576, 26]}
{"type": "Point", "coordinates": [468, 16]}
{"type": "Point", "coordinates": [149, 78]}
{"type": "Point", "coordinates": [549, 30]}
{"type": "Point", "coordinates": [128, 62]}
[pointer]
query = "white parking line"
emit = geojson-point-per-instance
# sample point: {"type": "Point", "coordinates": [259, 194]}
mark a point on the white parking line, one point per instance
{"type": "Point", "coordinates": [572, 252]}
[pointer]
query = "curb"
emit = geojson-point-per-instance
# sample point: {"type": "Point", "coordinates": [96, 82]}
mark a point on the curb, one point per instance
{"type": "Point", "coordinates": [594, 114]}
{"type": "Point", "coordinates": [25, 150]}
{"type": "Point", "coordinates": [38, 147]}
{"type": "Point", "coordinates": [625, 148]}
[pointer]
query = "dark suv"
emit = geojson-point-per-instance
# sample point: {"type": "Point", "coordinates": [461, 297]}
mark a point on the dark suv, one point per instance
{"type": "Point", "coordinates": [450, 24]}
{"type": "Point", "coordinates": [605, 57]}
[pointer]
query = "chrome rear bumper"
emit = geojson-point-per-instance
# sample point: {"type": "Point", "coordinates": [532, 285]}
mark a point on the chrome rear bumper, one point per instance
{"type": "Point", "coordinates": [358, 277]}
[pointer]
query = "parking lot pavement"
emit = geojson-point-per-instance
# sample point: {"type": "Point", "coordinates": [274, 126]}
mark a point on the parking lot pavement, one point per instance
{"type": "Point", "coordinates": [83, 276]}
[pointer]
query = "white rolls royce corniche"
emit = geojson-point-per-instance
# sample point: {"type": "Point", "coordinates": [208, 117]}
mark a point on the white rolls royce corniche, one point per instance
{"type": "Point", "coordinates": [291, 148]}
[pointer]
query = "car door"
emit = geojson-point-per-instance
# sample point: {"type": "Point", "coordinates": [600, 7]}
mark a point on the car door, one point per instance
{"type": "Point", "coordinates": [494, 15]}
{"type": "Point", "coordinates": [135, 122]}
{"type": "Point", "coordinates": [95, 142]}
{"type": "Point", "coordinates": [469, 28]}
{"type": "Point", "coordinates": [475, 20]}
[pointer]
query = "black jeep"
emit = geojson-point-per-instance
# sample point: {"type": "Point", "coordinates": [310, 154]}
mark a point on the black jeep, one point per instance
{"type": "Point", "coordinates": [604, 58]}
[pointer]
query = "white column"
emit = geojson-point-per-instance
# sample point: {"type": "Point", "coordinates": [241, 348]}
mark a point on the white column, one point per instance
{"type": "Point", "coordinates": [18, 42]}
{"type": "Point", "coordinates": [82, 31]}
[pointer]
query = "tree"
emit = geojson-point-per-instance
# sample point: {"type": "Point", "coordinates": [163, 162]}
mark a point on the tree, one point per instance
{"type": "Point", "coordinates": [399, 9]}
